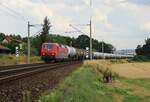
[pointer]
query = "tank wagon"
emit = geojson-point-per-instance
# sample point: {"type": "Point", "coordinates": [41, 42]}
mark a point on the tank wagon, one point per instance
{"type": "Point", "coordinates": [99, 55]}
{"type": "Point", "coordinates": [60, 52]}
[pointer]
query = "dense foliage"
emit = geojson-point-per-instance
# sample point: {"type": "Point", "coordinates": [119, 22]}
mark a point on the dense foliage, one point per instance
{"type": "Point", "coordinates": [2, 37]}
{"type": "Point", "coordinates": [83, 41]}
{"type": "Point", "coordinates": [145, 49]}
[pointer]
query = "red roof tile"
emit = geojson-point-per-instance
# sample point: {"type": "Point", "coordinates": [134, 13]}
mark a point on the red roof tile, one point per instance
{"type": "Point", "coordinates": [4, 48]}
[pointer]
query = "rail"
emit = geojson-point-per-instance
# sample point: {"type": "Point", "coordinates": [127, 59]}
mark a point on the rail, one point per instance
{"type": "Point", "coordinates": [20, 71]}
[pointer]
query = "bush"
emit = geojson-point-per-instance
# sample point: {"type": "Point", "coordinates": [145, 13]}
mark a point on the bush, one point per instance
{"type": "Point", "coordinates": [103, 68]}
{"type": "Point", "coordinates": [140, 58]}
{"type": "Point", "coordinates": [107, 76]}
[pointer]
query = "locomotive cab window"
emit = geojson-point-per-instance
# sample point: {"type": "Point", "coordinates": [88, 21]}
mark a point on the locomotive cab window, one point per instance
{"type": "Point", "coordinates": [44, 46]}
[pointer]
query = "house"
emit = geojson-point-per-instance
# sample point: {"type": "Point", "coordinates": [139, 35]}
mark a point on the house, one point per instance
{"type": "Point", "coordinates": [9, 39]}
{"type": "Point", "coordinates": [4, 50]}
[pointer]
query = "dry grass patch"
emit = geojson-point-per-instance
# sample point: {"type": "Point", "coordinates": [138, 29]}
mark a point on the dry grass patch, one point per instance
{"type": "Point", "coordinates": [117, 98]}
{"type": "Point", "coordinates": [133, 88]}
{"type": "Point", "coordinates": [98, 64]}
{"type": "Point", "coordinates": [140, 91]}
{"type": "Point", "coordinates": [132, 70]}
{"type": "Point", "coordinates": [13, 60]}
{"type": "Point", "coordinates": [102, 67]}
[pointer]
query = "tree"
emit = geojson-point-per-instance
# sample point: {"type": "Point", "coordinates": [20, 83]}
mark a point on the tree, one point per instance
{"type": "Point", "coordinates": [39, 40]}
{"type": "Point", "coordinates": [45, 30]}
{"type": "Point", "coordinates": [36, 43]}
{"type": "Point", "coordinates": [147, 41]}
{"type": "Point", "coordinates": [82, 42]}
{"type": "Point", "coordinates": [2, 37]}
{"type": "Point", "coordinates": [138, 47]}
{"type": "Point", "coordinates": [108, 48]}
{"type": "Point", "coordinates": [145, 49]}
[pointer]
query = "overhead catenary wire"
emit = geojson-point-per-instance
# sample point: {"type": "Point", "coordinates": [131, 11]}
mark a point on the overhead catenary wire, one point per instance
{"type": "Point", "coordinates": [13, 12]}
{"type": "Point", "coordinates": [10, 14]}
{"type": "Point", "coordinates": [37, 33]}
{"type": "Point", "coordinates": [78, 30]}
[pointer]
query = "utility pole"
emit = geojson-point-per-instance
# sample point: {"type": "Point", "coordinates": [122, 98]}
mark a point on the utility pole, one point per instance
{"type": "Point", "coordinates": [103, 49]}
{"type": "Point", "coordinates": [90, 26]}
{"type": "Point", "coordinates": [29, 45]}
{"type": "Point", "coordinates": [28, 60]}
{"type": "Point", "coordinates": [91, 31]}
{"type": "Point", "coordinates": [90, 40]}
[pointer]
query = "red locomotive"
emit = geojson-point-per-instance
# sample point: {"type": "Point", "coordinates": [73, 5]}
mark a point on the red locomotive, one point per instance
{"type": "Point", "coordinates": [59, 52]}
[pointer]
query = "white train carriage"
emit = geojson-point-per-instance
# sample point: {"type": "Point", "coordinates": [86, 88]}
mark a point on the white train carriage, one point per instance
{"type": "Point", "coordinates": [71, 52]}
{"type": "Point", "coordinates": [99, 55]}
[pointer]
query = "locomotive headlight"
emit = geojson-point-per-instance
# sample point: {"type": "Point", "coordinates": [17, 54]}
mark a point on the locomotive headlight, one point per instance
{"type": "Point", "coordinates": [53, 54]}
{"type": "Point", "coordinates": [43, 54]}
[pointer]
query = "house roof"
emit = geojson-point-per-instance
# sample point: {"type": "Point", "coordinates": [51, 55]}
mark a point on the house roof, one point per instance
{"type": "Point", "coordinates": [4, 48]}
{"type": "Point", "coordinates": [9, 39]}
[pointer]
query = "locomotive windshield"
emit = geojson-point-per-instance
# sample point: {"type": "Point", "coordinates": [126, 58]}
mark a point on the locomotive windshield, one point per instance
{"type": "Point", "coordinates": [47, 46]}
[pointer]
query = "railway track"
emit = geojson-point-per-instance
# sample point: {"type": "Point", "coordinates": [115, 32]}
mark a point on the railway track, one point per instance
{"type": "Point", "coordinates": [10, 73]}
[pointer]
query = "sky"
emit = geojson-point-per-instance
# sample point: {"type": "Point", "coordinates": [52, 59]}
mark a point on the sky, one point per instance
{"type": "Point", "coordinates": [123, 23]}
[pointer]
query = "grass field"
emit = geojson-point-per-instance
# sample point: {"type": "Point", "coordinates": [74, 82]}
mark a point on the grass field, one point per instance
{"type": "Point", "coordinates": [134, 70]}
{"type": "Point", "coordinates": [86, 85]}
{"type": "Point", "coordinates": [12, 59]}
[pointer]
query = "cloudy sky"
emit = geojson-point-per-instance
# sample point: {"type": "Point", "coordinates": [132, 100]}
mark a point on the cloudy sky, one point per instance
{"type": "Point", "coordinates": [123, 23]}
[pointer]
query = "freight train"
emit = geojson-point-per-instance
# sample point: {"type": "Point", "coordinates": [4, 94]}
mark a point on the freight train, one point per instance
{"type": "Point", "coordinates": [60, 52]}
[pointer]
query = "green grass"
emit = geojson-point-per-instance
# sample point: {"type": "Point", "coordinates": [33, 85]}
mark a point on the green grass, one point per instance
{"type": "Point", "coordinates": [84, 85]}
{"type": "Point", "coordinates": [140, 82]}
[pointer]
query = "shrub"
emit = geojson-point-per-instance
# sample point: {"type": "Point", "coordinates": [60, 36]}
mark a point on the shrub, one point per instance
{"type": "Point", "coordinates": [102, 68]}
{"type": "Point", "coordinates": [107, 76]}
{"type": "Point", "coordinates": [140, 58]}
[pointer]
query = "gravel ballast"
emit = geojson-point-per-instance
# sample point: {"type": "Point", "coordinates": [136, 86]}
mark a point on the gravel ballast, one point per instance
{"type": "Point", "coordinates": [35, 84]}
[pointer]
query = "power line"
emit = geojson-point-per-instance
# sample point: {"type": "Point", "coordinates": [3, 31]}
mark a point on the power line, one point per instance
{"type": "Point", "coordinates": [13, 12]}
{"type": "Point", "coordinates": [37, 33]}
{"type": "Point", "coordinates": [10, 14]}
{"type": "Point", "coordinates": [78, 30]}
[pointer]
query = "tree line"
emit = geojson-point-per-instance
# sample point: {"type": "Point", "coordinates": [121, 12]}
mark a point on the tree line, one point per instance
{"type": "Point", "coordinates": [81, 41]}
